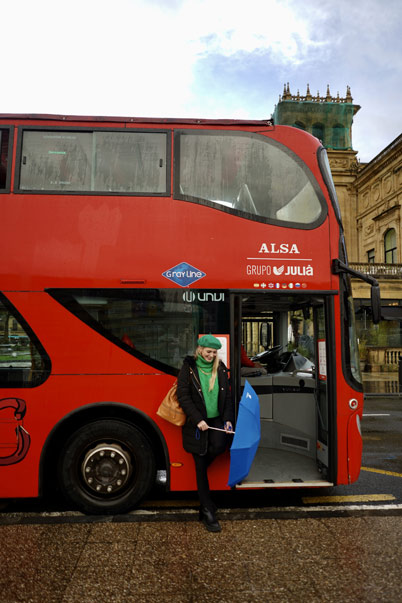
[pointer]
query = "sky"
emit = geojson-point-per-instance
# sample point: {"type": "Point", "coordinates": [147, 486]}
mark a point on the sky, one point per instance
{"type": "Point", "coordinates": [204, 58]}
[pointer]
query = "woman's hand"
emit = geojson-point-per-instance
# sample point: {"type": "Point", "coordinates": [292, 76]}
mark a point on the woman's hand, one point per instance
{"type": "Point", "coordinates": [202, 425]}
{"type": "Point", "coordinates": [228, 426]}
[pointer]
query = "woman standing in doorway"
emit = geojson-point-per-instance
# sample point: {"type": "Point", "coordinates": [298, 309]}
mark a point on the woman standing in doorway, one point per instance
{"type": "Point", "coordinates": [204, 395]}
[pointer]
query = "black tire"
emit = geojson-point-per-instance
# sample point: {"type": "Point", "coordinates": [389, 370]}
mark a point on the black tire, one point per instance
{"type": "Point", "coordinates": [106, 467]}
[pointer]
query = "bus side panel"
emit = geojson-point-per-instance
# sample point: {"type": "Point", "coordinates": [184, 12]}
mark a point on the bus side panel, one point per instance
{"type": "Point", "coordinates": [87, 369]}
{"type": "Point", "coordinates": [349, 440]}
{"type": "Point", "coordinates": [355, 447]}
{"type": "Point", "coordinates": [49, 404]}
{"type": "Point", "coordinates": [183, 477]}
{"type": "Point", "coordinates": [97, 260]}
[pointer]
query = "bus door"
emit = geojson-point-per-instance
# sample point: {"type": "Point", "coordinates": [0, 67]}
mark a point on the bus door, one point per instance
{"type": "Point", "coordinates": [280, 344]}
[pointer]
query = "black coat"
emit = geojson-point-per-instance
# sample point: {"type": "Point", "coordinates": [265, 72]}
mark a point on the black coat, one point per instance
{"type": "Point", "coordinates": [191, 399]}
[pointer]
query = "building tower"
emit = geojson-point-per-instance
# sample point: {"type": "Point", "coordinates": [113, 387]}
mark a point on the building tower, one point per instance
{"type": "Point", "coordinates": [330, 120]}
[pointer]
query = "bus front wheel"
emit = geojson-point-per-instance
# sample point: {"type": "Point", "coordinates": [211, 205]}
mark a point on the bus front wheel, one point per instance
{"type": "Point", "coordinates": [106, 467]}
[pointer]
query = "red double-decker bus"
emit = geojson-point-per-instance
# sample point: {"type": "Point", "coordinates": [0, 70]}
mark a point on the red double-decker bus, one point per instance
{"type": "Point", "coordinates": [123, 240]}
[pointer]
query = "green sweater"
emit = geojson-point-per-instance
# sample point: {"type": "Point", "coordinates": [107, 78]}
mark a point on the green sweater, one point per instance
{"type": "Point", "coordinates": [210, 397]}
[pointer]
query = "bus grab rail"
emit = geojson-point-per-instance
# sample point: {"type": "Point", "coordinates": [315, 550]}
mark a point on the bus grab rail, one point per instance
{"type": "Point", "coordinates": [339, 267]}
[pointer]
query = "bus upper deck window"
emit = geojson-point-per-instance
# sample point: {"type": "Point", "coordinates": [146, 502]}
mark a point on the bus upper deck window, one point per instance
{"type": "Point", "coordinates": [249, 174]}
{"type": "Point", "coordinates": [100, 161]}
{"type": "Point", "coordinates": [4, 138]}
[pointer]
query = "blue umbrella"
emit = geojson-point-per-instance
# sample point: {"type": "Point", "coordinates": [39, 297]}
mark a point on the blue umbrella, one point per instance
{"type": "Point", "coordinates": [246, 438]}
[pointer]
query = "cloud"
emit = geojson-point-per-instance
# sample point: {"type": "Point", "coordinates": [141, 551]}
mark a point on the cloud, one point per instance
{"type": "Point", "coordinates": [356, 44]}
{"type": "Point", "coordinates": [86, 57]}
{"type": "Point", "coordinates": [140, 57]}
{"type": "Point", "coordinates": [203, 58]}
{"type": "Point", "coordinates": [228, 27]}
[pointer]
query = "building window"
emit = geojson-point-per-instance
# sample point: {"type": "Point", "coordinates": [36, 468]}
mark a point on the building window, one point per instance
{"type": "Point", "coordinates": [370, 256]}
{"type": "Point", "coordinates": [339, 137]}
{"type": "Point", "coordinates": [390, 246]}
{"type": "Point", "coordinates": [318, 131]}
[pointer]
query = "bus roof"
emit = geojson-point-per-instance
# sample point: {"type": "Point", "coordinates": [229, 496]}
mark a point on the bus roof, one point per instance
{"type": "Point", "coordinates": [139, 120]}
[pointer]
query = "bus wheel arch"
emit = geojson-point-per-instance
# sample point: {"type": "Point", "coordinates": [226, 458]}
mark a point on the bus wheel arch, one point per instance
{"type": "Point", "coordinates": [130, 425]}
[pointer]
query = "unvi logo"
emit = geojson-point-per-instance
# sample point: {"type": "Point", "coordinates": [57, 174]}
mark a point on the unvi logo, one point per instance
{"type": "Point", "coordinates": [183, 274]}
{"type": "Point", "coordinates": [190, 296]}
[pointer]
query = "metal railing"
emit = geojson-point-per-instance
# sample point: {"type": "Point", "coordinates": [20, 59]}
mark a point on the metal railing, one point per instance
{"type": "Point", "coordinates": [379, 270]}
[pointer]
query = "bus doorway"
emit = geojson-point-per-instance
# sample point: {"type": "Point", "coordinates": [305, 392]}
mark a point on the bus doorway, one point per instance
{"type": "Point", "coordinates": [286, 337]}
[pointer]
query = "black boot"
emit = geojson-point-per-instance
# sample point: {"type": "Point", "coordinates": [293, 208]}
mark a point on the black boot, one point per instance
{"type": "Point", "coordinates": [209, 520]}
{"type": "Point", "coordinates": [212, 508]}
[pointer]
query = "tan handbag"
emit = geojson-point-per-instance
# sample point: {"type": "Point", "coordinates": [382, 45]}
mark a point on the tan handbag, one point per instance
{"type": "Point", "coordinates": [170, 409]}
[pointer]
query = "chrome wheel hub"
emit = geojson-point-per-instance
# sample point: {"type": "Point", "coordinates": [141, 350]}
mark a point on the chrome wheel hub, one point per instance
{"type": "Point", "coordinates": [106, 469]}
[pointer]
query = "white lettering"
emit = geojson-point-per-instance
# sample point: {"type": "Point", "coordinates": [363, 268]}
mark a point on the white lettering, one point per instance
{"type": "Point", "coordinates": [290, 248]}
{"type": "Point", "coordinates": [206, 296]}
{"type": "Point", "coordinates": [185, 274]}
{"type": "Point", "coordinates": [252, 269]}
{"type": "Point", "coordinates": [299, 271]}
{"type": "Point", "coordinates": [190, 296]}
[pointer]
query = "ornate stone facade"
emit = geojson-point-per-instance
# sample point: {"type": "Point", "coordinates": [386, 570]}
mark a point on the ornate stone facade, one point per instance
{"type": "Point", "coordinates": [330, 119]}
{"type": "Point", "coordinates": [370, 198]}
{"type": "Point", "coordinates": [370, 195]}
{"type": "Point", "coordinates": [378, 186]}
{"type": "Point", "coordinates": [344, 168]}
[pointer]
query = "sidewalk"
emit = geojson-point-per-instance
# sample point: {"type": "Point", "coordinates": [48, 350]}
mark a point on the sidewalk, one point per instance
{"type": "Point", "coordinates": [353, 559]}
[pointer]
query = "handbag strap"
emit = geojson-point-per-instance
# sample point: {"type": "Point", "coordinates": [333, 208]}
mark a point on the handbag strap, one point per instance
{"type": "Point", "coordinates": [195, 376]}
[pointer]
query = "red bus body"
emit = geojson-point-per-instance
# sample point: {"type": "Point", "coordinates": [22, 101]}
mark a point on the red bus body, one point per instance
{"type": "Point", "coordinates": [72, 241]}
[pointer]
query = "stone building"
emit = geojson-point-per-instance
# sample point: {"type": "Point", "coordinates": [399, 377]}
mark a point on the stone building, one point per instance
{"type": "Point", "coordinates": [378, 191]}
{"type": "Point", "coordinates": [370, 196]}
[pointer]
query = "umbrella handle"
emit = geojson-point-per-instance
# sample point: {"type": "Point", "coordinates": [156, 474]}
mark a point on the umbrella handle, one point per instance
{"type": "Point", "coordinates": [217, 429]}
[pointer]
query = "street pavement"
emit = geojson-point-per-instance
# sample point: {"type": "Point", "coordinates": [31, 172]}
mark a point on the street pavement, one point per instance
{"type": "Point", "coordinates": [348, 559]}
{"type": "Point", "coordinates": [285, 552]}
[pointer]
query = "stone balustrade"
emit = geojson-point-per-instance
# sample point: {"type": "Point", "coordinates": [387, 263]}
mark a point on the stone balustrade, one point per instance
{"type": "Point", "coordinates": [380, 270]}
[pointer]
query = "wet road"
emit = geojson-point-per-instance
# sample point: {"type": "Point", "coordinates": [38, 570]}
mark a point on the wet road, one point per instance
{"type": "Point", "coordinates": [274, 546]}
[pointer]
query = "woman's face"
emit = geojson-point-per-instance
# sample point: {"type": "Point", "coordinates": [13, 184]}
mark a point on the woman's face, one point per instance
{"type": "Point", "coordinates": [208, 354]}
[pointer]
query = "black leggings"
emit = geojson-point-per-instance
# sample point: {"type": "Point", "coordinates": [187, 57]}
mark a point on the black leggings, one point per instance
{"type": "Point", "coordinates": [217, 443]}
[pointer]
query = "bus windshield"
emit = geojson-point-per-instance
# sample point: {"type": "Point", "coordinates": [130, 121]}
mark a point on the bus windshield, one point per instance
{"type": "Point", "coordinates": [248, 173]}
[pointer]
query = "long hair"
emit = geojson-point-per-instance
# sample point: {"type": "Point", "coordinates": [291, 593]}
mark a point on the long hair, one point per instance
{"type": "Point", "coordinates": [214, 367]}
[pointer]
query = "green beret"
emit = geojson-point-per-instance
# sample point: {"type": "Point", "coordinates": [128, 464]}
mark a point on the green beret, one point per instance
{"type": "Point", "coordinates": [209, 341]}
